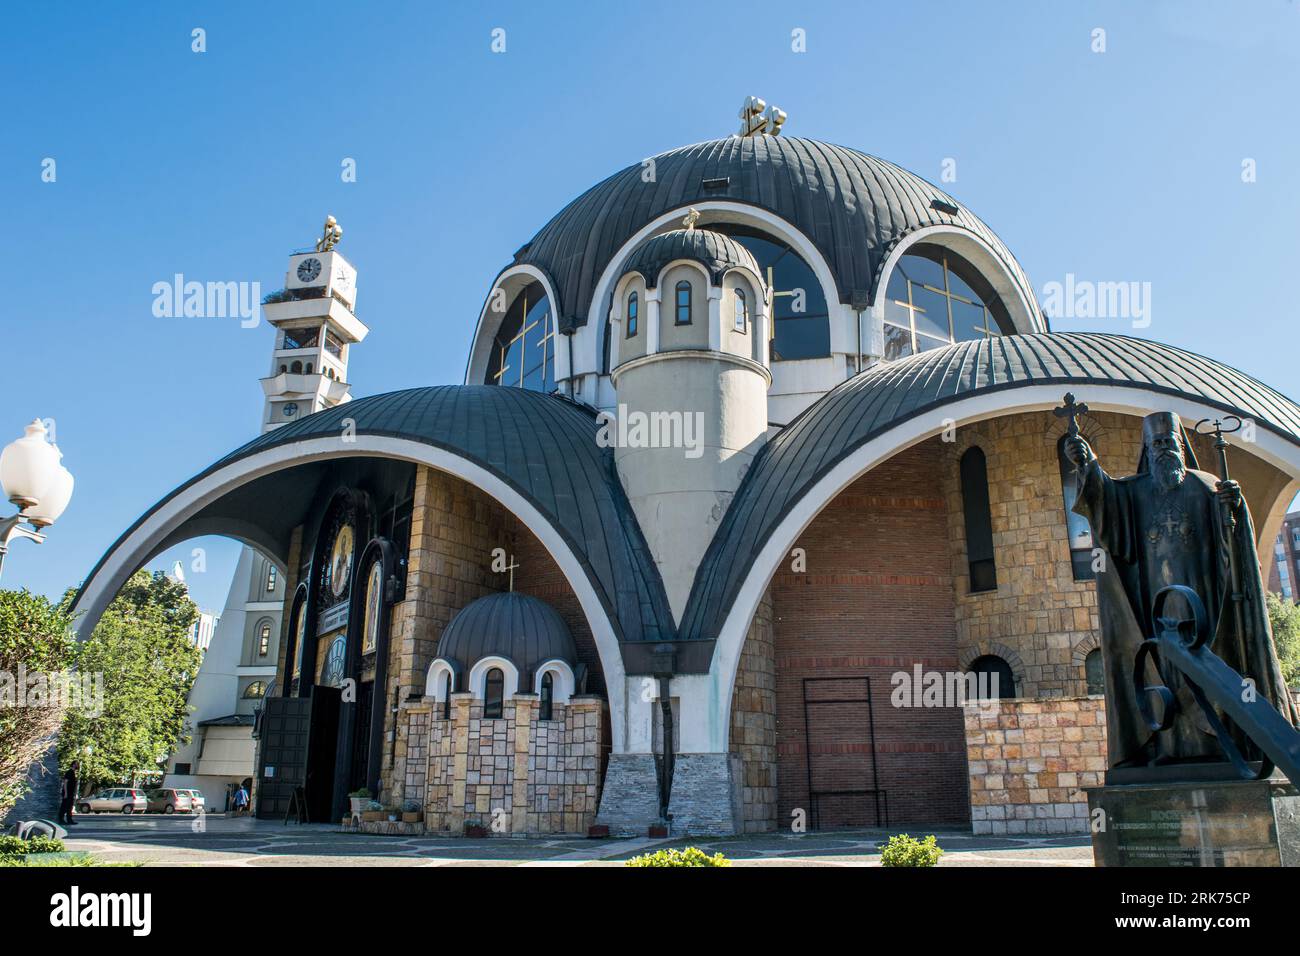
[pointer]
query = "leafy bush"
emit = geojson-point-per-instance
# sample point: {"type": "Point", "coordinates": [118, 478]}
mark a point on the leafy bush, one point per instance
{"type": "Point", "coordinates": [362, 794]}
{"type": "Point", "coordinates": [34, 634]}
{"type": "Point", "coordinates": [410, 806]}
{"type": "Point", "coordinates": [691, 856]}
{"type": "Point", "coordinates": [16, 846]}
{"type": "Point", "coordinates": [45, 860]}
{"type": "Point", "coordinates": [373, 806]}
{"type": "Point", "coordinates": [905, 850]}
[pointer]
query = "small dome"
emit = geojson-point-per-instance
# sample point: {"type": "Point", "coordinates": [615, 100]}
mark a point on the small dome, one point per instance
{"type": "Point", "coordinates": [522, 629]}
{"type": "Point", "coordinates": [713, 250]}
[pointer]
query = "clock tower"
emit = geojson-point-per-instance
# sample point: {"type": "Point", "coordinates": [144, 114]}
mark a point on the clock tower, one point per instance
{"type": "Point", "coordinates": [315, 327]}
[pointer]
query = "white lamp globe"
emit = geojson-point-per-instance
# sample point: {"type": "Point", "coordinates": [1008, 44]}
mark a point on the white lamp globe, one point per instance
{"type": "Point", "coordinates": [57, 495]}
{"type": "Point", "coordinates": [28, 465]}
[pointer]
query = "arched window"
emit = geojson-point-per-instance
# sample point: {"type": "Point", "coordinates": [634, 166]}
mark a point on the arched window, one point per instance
{"type": "Point", "coordinates": [270, 578]}
{"type": "Point", "coordinates": [264, 639]}
{"type": "Point", "coordinates": [446, 696]}
{"type": "Point", "coordinates": [523, 350]}
{"type": "Point", "coordinates": [1077, 528]}
{"type": "Point", "coordinates": [935, 298]}
{"type": "Point", "coordinates": [308, 369]}
{"type": "Point", "coordinates": [993, 678]}
{"type": "Point", "coordinates": [547, 697]}
{"type": "Point", "coordinates": [631, 314]}
{"type": "Point", "coordinates": [979, 521]}
{"type": "Point", "coordinates": [494, 689]}
{"type": "Point", "coordinates": [284, 368]}
{"type": "Point", "coordinates": [1093, 673]}
{"type": "Point", "coordinates": [296, 368]}
{"type": "Point", "coordinates": [683, 303]}
{"type": "Point", "coordinates": [255, 690]}
{"type": "Point", "coordinates": [742, 312]}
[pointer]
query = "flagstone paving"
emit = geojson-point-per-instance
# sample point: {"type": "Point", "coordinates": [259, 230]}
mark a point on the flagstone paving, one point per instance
{"type": "Point", "coordinates": [224, 841]}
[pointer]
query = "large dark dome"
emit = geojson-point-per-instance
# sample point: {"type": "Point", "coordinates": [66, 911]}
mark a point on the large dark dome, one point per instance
{"type": "Point", "coordinates": [851, 206]}
{"type": "Point", "coordinates": [520, 628]}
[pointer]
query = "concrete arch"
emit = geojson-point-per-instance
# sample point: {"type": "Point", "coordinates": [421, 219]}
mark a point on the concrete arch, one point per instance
{"type": "Point", "coordinates": [1020, 301]}
{"type": "Point", "coordinates": [146, 537]}
{"type": "Point", "coordinates": [1270, 446]}
{"type": "Point", "coordinates": [511, 281]}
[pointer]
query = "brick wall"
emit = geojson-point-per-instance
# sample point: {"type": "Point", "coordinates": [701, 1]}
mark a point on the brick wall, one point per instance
{"type": "Point", "coordinates": [1030, 760]}
{"type": "Point", "coordinates": [876, 598]}
{"type": "Point", "coordinates": [753, 722]}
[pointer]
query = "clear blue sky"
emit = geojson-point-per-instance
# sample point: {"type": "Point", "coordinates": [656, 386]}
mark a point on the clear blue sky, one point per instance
{"type": "Point", "coordinates": [1124, 165]}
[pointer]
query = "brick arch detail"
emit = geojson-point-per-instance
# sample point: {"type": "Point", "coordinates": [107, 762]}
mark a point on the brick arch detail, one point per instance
{"type": "Point", "coordinates": [1085, 645]}
{"type": "Point", "coordinates": [995, 649]}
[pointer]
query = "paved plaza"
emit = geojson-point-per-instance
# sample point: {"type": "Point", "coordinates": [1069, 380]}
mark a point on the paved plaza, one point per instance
{"type": "Point", "coordinates": [224, 841]}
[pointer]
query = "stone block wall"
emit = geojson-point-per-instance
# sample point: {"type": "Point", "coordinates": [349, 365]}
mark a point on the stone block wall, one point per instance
{"type": "Point", "coordinates": [1039, 619]}
{"type": "Point", "coordinates": [529, 776]}
{"type": "Point", "coordinates": [1030, 760]}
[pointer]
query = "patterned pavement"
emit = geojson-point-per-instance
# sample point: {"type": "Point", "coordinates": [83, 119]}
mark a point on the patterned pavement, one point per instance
{"type": "Point", "coordinates": [217, 840]}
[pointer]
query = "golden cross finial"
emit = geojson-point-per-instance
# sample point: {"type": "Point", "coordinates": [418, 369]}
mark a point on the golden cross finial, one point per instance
{"type": "Point", "coordinates": [330, 238]}
{"type": "Point", "coordinates": [692, 217]}
{"type": "Point", "coordinates": [757, 118]}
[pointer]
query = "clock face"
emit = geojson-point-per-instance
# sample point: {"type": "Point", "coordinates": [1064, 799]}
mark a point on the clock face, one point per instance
{"type": "Point", "coordinates": [290, 409]}
{"type": "Point", "coordinates": [341, 560]}
{"type": "Point", "coordinates": [308, 269]}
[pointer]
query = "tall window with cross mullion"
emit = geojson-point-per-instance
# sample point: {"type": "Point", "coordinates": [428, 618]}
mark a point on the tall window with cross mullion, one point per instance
{"type": "Point", "coordinates": [523, 350]}
{"type": "Point", "coordinates": [936, 298]}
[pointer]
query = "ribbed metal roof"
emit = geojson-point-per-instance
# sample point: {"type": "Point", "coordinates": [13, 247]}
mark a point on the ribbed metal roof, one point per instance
{"type": "Point", "coordinates": [887, 395]}
{"type": "Point", "coordinates": [852, 207]}
{"type": "Point", "coordinates": [713, 250]}
{"type": "Point", "coordinates": [542, 446]}
{"type": "Point", "coordinates": [524, 630]}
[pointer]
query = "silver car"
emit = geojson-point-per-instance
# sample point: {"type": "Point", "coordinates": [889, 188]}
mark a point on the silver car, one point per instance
{"type": "Point", "coordinates": [114, 800]}
{"type": "Point", "coordinates": [197, 801]}
{"type": "Point", "coordinates": [168, 800]}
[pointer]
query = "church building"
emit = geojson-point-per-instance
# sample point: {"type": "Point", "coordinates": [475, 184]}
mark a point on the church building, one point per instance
{"type": "Point", "coordinates": [754, 460]}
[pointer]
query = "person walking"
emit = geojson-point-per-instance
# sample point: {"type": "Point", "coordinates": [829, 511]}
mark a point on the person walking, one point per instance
{"type": "Point", "coordinates": [241, 801]}
{"type": "Point", "coordinates": [68, 795]}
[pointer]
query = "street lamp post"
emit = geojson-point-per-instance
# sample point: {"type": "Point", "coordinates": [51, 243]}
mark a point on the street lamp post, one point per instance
{"type": "Point", "coordinates": [36, 483]}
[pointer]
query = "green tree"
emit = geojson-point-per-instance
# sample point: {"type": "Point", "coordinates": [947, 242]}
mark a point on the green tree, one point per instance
{"type": "Point", "coordinates": [141, 646]}
{"type": "Point", "coordinates": [1284, 618]}
{"type": "Point", "coordinates": [36, 636]}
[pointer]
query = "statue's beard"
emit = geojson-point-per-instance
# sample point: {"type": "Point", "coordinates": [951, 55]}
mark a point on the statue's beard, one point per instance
{"type": "Point", "coordinates": [1169, 471]}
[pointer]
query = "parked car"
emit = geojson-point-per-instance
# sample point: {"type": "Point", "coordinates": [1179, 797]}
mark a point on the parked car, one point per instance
{"type": "Point", "coordinates": [198, 802]}
{"type": "Point", "coordinates": [168, 800]}
{"type": "Point", "coordinates": [114, 800]}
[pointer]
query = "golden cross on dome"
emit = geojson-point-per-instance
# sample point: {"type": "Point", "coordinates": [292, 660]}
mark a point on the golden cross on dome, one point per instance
{"type": "Point", "coordinates": [692, 217]}
{"type": "Point", "coordinates": [757, 118]}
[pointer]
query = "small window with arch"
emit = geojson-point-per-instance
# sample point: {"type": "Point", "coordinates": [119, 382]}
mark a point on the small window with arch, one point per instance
{"type": "Point", "coordinates": [446, 696]}
{"type": "Point", "coordinates": [632, 303]}
{"type": "Point", "coordinates": [683, 303]}
{"type": "Point", "coordinates": [494, 692]}
{"type": "Point", "coordinates": [546, 704]}
{"type": "Point", "coordinates": [741, 322]}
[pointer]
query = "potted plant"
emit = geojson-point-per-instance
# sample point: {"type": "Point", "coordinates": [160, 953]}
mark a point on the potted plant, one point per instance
{"type": "Point", "coordinates": [475, 828]}
{"type": "Point", "coordinates": [373, 812]}
{"type": "Point", "coordinates": [411, 812]}
{"type": "Point", "coordinates": [358, 800]}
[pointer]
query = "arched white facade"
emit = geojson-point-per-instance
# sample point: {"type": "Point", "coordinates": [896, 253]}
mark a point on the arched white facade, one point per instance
{"type": "Point", "coordinates": [478, 676]}
{"type": "Point", "coordinates": [1269, 446]}
{"type": "Point", "coordinates": [156, 530]}
{"type": "Point", "coordinates": [510, 282]}
{"type": "Point", "coordinates": [564, 685]}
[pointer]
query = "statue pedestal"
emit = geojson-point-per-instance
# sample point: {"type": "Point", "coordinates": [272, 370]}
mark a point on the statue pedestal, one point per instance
{"type": "Point", "coordinates": [1196, 823]}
